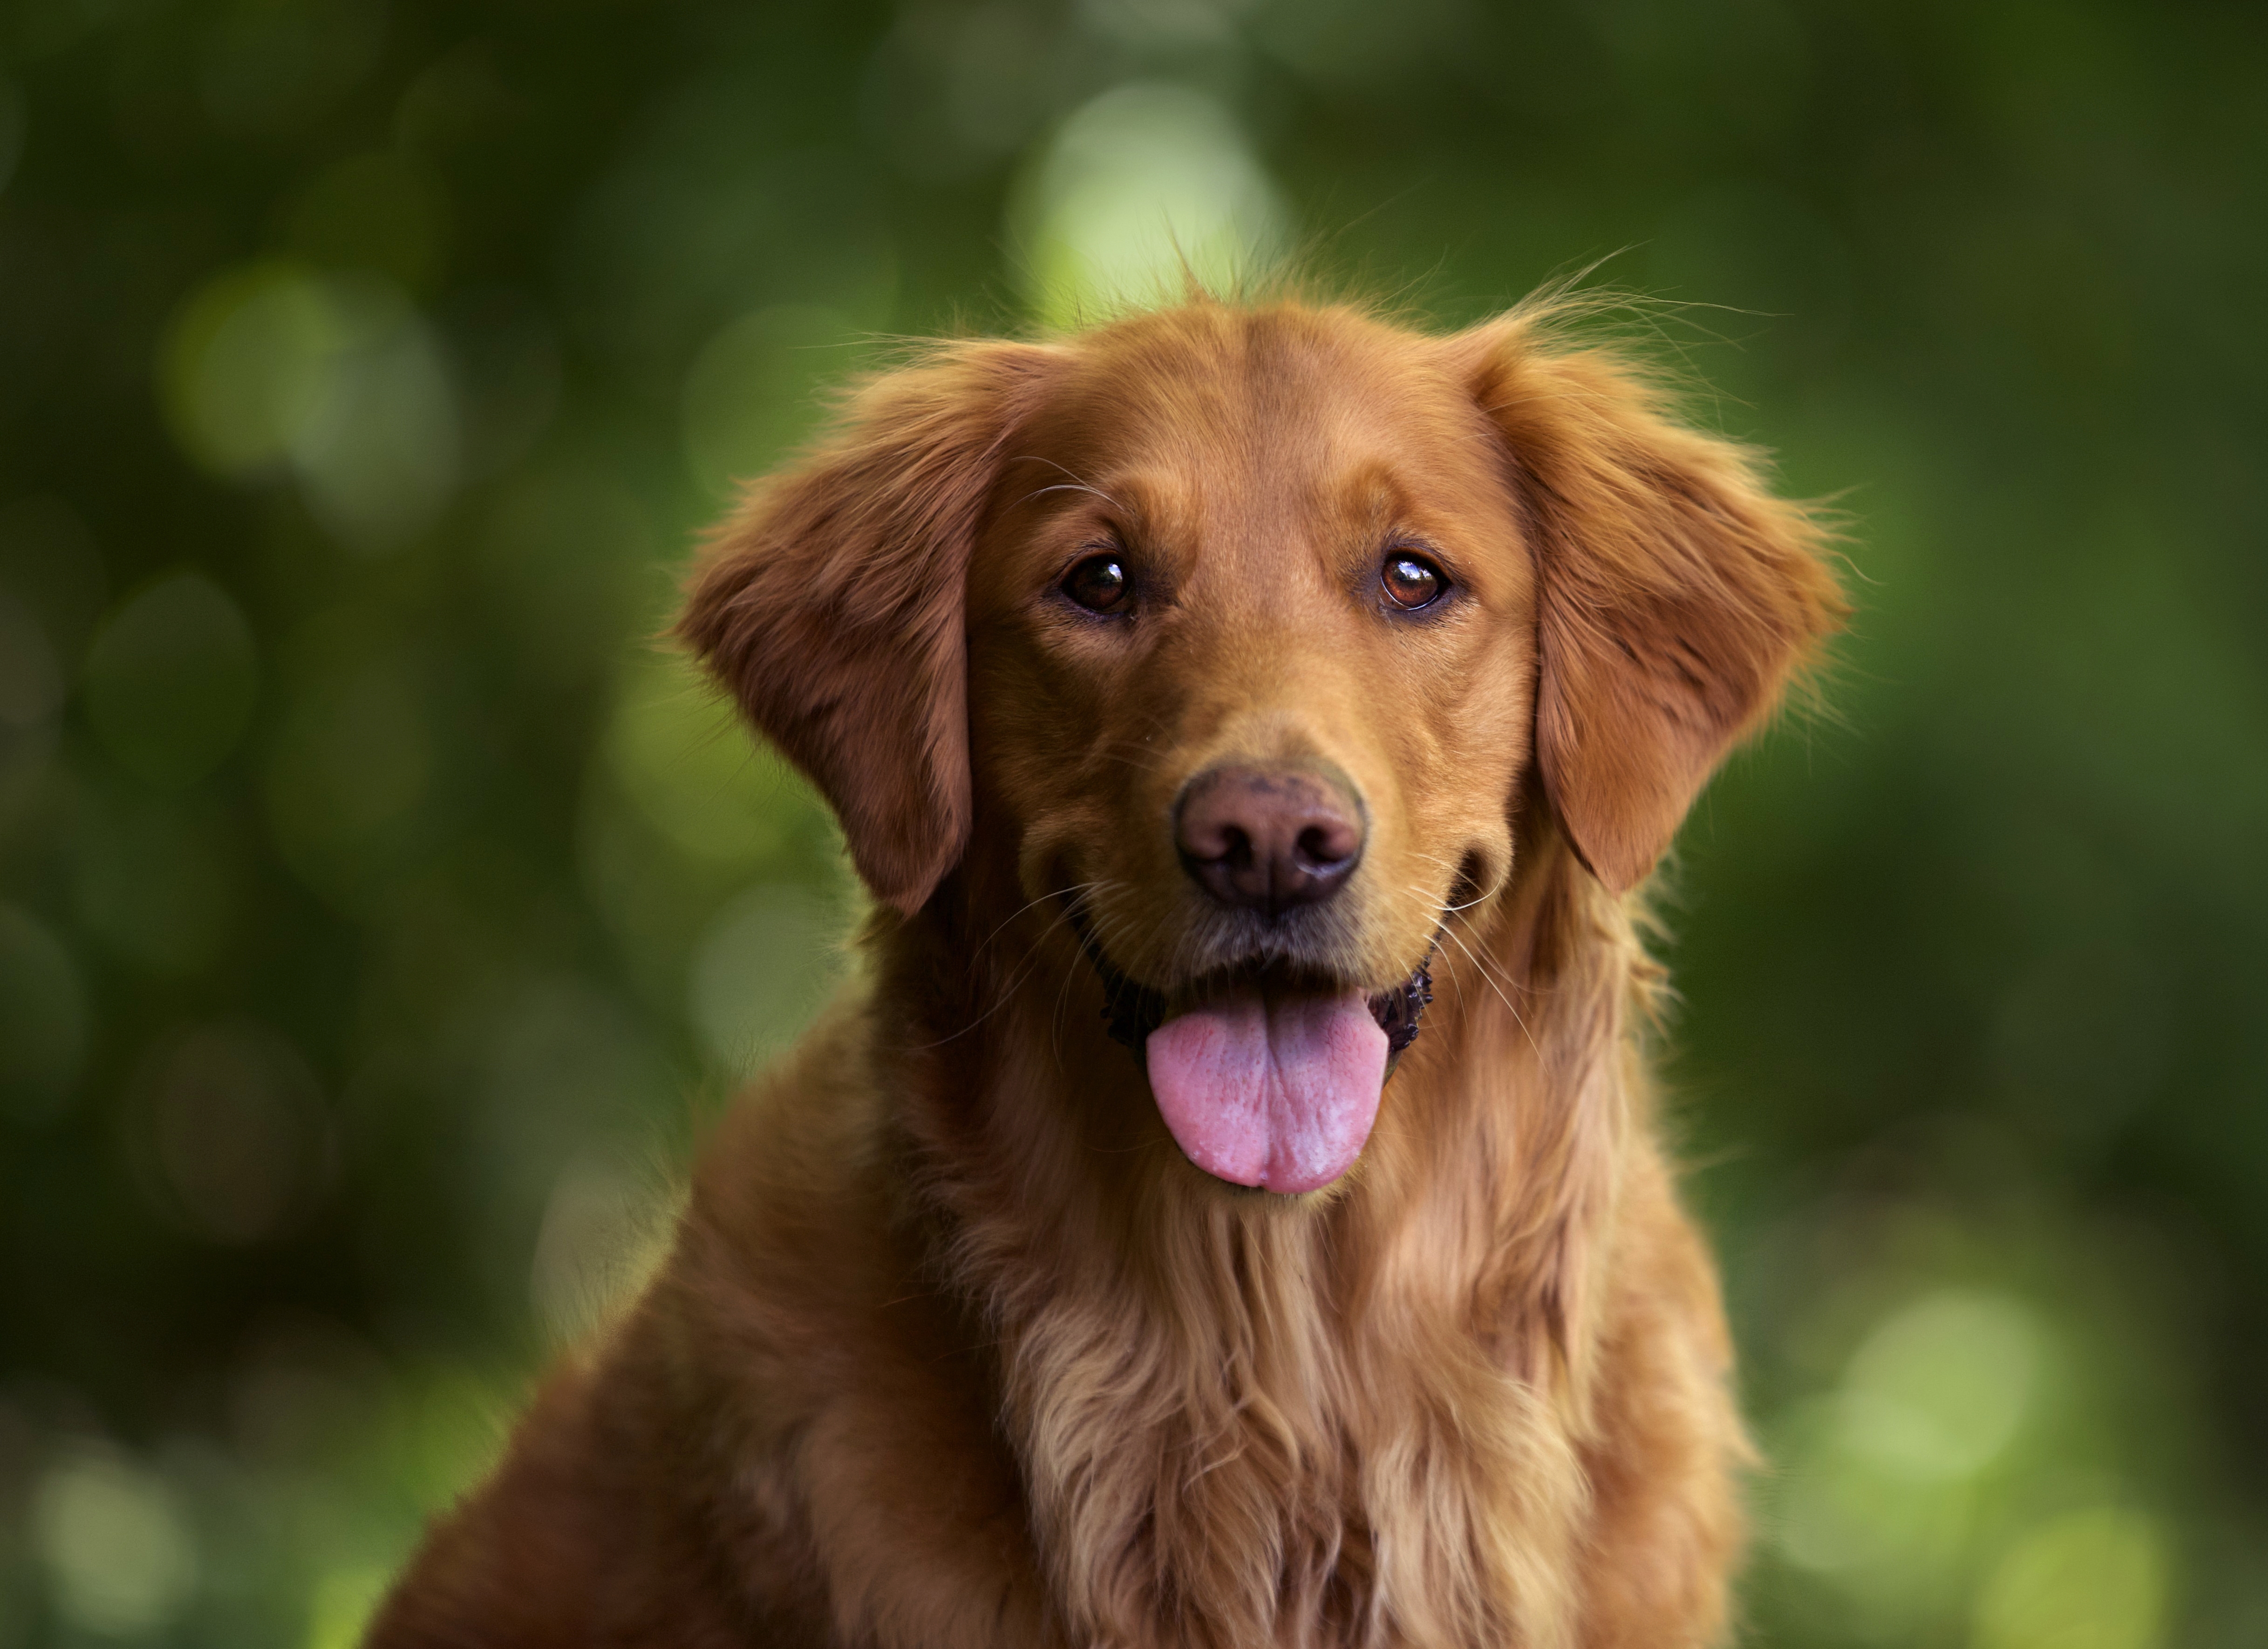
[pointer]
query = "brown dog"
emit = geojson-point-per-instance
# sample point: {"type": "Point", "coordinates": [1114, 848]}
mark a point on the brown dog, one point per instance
{"type": "Point", "coordinates": [1101, 1269]}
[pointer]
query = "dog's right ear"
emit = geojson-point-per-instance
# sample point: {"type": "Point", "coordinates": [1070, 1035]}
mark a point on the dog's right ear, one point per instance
{"type": "Point", "coordinates": [830, 604]}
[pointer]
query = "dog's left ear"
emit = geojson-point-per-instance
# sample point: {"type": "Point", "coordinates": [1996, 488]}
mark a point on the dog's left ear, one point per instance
{"type": "Point", "coordinates": [831, 604]}
{"type": "Point", "coordinates": [1675, 594]}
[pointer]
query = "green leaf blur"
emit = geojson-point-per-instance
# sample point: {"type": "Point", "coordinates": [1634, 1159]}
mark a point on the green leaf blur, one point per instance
{"type": "Point", "coordinates": [383, 909]}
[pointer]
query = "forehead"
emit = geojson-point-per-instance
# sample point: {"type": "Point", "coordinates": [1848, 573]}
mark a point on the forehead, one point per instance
{"type": "Point", "coordinates": [1213, 408]}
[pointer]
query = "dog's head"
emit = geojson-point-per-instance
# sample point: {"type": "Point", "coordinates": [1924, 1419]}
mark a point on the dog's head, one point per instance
{"type": "Point", "coordinates": [1243, 634]}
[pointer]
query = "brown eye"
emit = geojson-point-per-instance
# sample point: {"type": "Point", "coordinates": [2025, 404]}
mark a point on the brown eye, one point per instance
{"type": "Point", "coordinates": [1099, 584]}
{"type": "Point", "coordinates": [1411, 581]}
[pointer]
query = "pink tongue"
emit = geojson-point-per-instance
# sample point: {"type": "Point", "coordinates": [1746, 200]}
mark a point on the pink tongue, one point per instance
{"type": "Point", "coordinates": [1275, 1093]}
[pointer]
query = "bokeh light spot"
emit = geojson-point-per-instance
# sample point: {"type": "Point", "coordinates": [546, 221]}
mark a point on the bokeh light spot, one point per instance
{"type": "Point", "coordinates": [1939, 1389]}
{"type": "Point", "coordinates": [2095, 1578]}
{"type": "Point", "coordinates": [680, 752]}
{"type": "Point", "coordinates": [377, 452]}
{"type": "Point", "coordinates": [1143, 181]}
{"type": "Point", "coordinates": [118, 1551]}
{"type": "Point", "coordinates": [244, 365]}
{"type": "Point", "coordinates": [340, 1608]}
{"type": "Point", "coordinates": [752, 392]}
{"type": "Point", "coordinates": [604, 1232]}
{"type": "Point", "coordinates": [450, 1427]}
{"type": "Point", "coordinates": [337, 377]}
{"type": "Point", "coordinates": [760, 971]}
{"type": "Point", "coordinates": [1891, 1475]}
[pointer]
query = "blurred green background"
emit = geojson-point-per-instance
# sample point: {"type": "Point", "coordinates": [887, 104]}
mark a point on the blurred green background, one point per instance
{"type": "Point", "coordinates": [381, 910]}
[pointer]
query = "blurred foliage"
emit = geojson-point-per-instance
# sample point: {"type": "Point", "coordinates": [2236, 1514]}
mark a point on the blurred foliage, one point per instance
{"type": "Point", "coordinates": [381, 909]}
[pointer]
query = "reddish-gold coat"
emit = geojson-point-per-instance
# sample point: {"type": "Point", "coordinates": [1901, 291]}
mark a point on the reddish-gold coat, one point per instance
{"type": "Point", "coordinates": [954, 1348]}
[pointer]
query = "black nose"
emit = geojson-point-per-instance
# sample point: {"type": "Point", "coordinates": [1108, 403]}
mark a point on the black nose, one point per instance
{"type": "Point", "coordinates": [1267, 838]}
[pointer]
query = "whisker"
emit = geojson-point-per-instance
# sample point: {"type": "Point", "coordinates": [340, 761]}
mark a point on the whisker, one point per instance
{"type": "Point", "coordinates": [1056, 1017]}
{"type": "Point", "coordinates": [1073, 484]}
{"type": "Point", "coordinates": [1455, 871]}
{"type": "Point", "coordinates": [1487, 979]}
{"type": "Point", "coordinates": [1428, 899]}
{"type": "Point", "coordinates": [1025, 968]}
{"type": "Point", "coordinates": [1448, 931]}
{"type": "Point", "coordinates": [1076, 888]}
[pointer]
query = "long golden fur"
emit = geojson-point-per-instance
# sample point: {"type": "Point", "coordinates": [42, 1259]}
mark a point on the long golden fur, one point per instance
{"type": "Point", "coordinates": [954, 1346]}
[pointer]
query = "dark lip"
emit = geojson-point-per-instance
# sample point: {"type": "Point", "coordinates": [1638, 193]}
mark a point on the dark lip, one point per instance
{"type": "Point", "coordinates": [1267, 977]}
{"type": "Point", "coordinates": [1133, 1010]}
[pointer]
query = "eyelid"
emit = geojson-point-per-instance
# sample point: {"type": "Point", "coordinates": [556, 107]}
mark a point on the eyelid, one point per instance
{"type": "Point", "coordinates": [1111, 545]}
{"type": "Point", "coordinates": [1422, 549]}
{"type": "Point", "coordinates": [1418, 549]}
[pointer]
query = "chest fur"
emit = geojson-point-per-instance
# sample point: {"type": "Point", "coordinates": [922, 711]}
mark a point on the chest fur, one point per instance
{"type": "Point", "coordinates": [1281, 1474]}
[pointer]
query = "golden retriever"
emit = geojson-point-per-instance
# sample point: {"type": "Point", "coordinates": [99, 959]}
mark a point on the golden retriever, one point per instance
{"type": "Point", "coordinates": [1132, 1257]}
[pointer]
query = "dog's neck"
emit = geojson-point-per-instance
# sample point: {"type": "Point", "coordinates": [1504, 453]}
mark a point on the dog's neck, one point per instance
{"type": "Point", "coordinates": [1223, 1394]}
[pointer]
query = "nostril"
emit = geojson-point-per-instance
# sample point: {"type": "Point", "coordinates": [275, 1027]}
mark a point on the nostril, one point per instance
{"type": "Point", "coordinates": [1323, 846]}
{"type": "Point", "coordinates": [1236, 848]}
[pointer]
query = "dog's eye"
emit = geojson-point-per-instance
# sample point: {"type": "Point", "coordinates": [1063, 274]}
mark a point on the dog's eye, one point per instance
{"type": "Point", "coordinates": [1411, 581]}
{"type": "Point", "coordinates": [1099, 584]}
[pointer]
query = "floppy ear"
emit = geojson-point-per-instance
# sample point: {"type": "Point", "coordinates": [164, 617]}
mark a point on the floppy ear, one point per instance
{"type": "Point", "coordinates": [830, 603]}
{"type": "Point", "coordinates": [1676, 594]}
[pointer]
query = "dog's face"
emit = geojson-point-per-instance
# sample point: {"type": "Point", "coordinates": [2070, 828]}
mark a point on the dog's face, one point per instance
{"type": "Point", "coordinates": [1237, 632]}
{"type": "Point", "coordinates": [1251, 642]}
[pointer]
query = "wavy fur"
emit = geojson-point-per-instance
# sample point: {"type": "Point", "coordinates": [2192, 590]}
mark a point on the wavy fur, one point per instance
{"type": "Point", "coordinates": [953, 1347]}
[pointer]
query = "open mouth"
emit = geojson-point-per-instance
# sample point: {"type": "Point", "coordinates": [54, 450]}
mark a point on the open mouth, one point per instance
{"type": "Point", "coordinates": [1265, 1077]}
